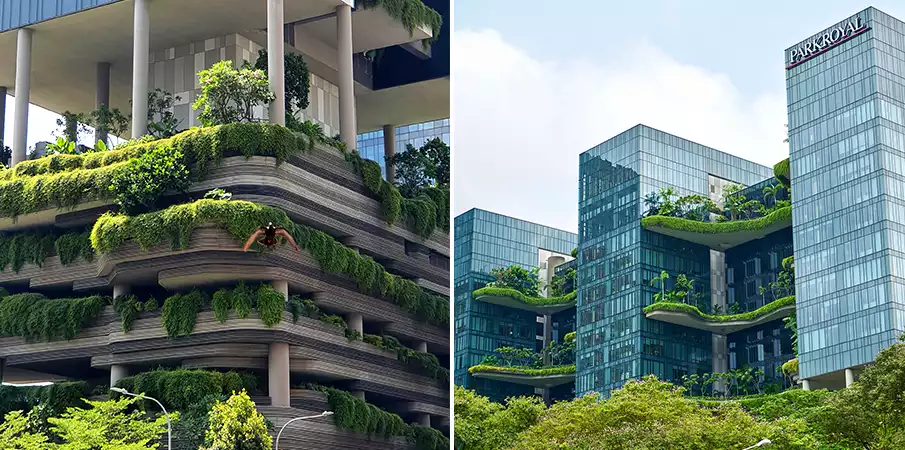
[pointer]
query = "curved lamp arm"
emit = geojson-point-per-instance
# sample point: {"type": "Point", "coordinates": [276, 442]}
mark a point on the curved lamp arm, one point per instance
{"type": "Point", "coordinates": [323, 414]}
{"type": "Point", "coordinates": [165, 414]}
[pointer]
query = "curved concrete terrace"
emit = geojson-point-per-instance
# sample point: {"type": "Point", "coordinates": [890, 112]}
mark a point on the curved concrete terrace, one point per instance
{"type": "Point", "coordinates": [693, 320]}
{"type": "Point", "coordinates": [514, 301]}
{"type": "Point", "coordinates": [719, 236]}
{"type": "Point", "coordinates": [538, 381]}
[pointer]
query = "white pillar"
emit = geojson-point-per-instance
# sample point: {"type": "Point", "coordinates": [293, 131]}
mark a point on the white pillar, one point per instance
{"type": "Point", "coordinates": [424, 420]}
{"type": "Point", "coordinates": [806, 385]}
{"type": "Point", "coordinates": [421, 346]}
{"type": "Point", "coordinates": [117, 372]}
{"type": "Point", "coordinates": [278, 374]}
{"type": "Point", "coordinates": [276, 63]}
{"type": "Point", "coordinates": [347, 126]}
{"type": "Point", "coordinates": [849, 377]}
{"type": "Point", "coordinates": [141, 29]}
{"type": "Point", "coordinates": [120, 289]}
{"type": "Point", "coordinates": [354, 322]}
{"type": "Point", "coordinates": [23, 89]}
{"type": "Point", "coordinates": [102, 93]}
{"type": "Point", "coordinates": [389, 150]}
{"type": "Point", "coordinates": [3, 93]}
{"type": "Point", "coordinates": [282, 287]}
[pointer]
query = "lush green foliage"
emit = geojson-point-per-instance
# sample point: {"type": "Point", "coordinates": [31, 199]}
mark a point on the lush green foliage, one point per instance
{"type": "Point", "coordinates": [139, 184]}
{"type": "Point", "coordinates": [71, 247]}
{"type": "Point", "coordinates": [128, 307]}
{"type": "Point", "coordinates": [67, 180]}
{"type": "Point", "coordinates": [694, 226]}
{"type": "Point", "coordinates": [297, 80]}
{"type": "Point", "coordinates": [107, 121]}
{"type": "Point", "coordinates": [352, 413]}
{"type": "Point", "coordinates": [693, 310]}
{"type": "Point", "coordinates": [35, 317]}
{"type": "Point", "coordinates": [194, 422]}
{"type": "Point", "coordinates": [15, 434]}
{"type": "Point", "coordinates": [667, 202]}
{"type": "Point", "coordinates": [390, 197]}
{"type": "Point", "coordinates": [240, 219]}
{"type": "Point", "coordinates": [55, 397]}
{"type": "Point", "coordinates": [536, 301]}
{"type": "Point", "coordinates": [236, 424]}
{"type": "Point", "coordinates": [517, 278]}
{"type": "Point", "coordinates": [555, 354]}
{"type": "Point", "coordinates": [412, 13]}
{"type": "Point", "coordinates": [18, 249]}
{"type": "Point", "coordinates": [782, 172]}
{"type": "Point", "coordinates": [563, 284]}
{"type": "Point", "coordinates": [546, 371]}
{"type": "Point", "coordinates": [162, 122]}
{"type": "Point", "coordinates": [110, 425]}
{"type": "Point", "coordinates": [484, 425]}
{"type": "Point", "coordinates": [229, 95]}
{"type": "Point", "coordinates": [419, 168]}
{"type": "Point", "coordinates": [179, 312]}
{"type": "Point", "coordinates": [271, 305]}
{"type": "Point", "coordinates": [181, 388]}
{"type": "Point", "coordinates": [790, 367]}
{"type": "Point", "coordinates": [426, 362]}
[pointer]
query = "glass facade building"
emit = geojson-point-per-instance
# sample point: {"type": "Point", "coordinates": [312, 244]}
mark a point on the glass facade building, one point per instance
{"type": "Point", "coordinates": [846, 110]}
{"type": "Point", "coordinates": [617, 258]}
{"type": "Point", "coordinates": [370, 144]}
{"type": "Point", "coordinates": [484, 241]}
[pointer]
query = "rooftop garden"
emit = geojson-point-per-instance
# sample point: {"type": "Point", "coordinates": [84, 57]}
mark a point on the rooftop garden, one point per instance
{"type": "Point", "coordinates": [557, 358]}
{"type": "Point", "coordinates": [782, 172]}
{"type": "Point", "coordinates": [747, 316]}
{"type": "Point", "coordinates": [522, 285]}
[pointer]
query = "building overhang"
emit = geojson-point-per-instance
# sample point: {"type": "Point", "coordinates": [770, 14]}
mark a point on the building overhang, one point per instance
{"type": "Point", "coordinates": [722, 328]}
{"type": "Point", "coordinates": [543, 381]}
{"type": "Point", "coordinates": [66, 50]}
{"type": "Point", "coordinates": [719, 236]}
{"type": "Point", "coordinates": [510, 302]}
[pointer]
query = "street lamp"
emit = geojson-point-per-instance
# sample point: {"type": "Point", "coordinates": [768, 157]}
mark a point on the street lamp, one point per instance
{"type": "Point", "coordinates": [167, 415]}
{"type": "Point", "coordinates": [762, 443]}
{"type": "Point", "coordinates": [323, 414]}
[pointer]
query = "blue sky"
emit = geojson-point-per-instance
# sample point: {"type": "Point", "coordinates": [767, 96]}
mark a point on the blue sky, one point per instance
{"type": "Point", "coordinates": [574, 74]}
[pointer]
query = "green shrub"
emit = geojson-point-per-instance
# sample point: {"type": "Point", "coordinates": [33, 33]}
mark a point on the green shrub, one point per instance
{"type": "Point", "coordinates": [236, 424]}
{"type": "Point", "coordinates": [782, 172]}
{"type": "Point", "coordinates": [240, 219]}
{"type": "Point", "coordinates": [243, 299]}
{"type": "Point", "coordinates": [151, 305]}
{"type": "Point", "coordinates": [221, 303]}
{"type": "Point", "coordinates": [128, 307]}
{"type": "Point", "coordinates": [271, 305]}
{"type": "Point", "coordinates": [426, 438]}
{"type": "Point", "coordinates": [354, 414]}
{"type": "Point", "coordinates": [790, 367]}
{"type": "Point", "coordinates": [695, 226]}
{"type": "Point", "coordinates": [35, 317]}
{"type": "Point", "coordinates": [25, 248]}
{"type": "Point", "coordinates": [412, 14]}
{"type": "Point", "coordinates": [527, 299]}
{"type": "Point", "coordinates": [56, 397]}
{"type": "Point", "coordinates": [693, 310]}
{"type": "Point", "coordinates": [372, 175]}
{"type": "Point", "coordinates": [72, 246]}
{"type": "Point", "coordinates": [181, 388]}
{"type": "Point", "coordinates": [303, 307]}
{"type": "Point", "coordinates": [427, 363]}
{"type": "Point", "coordinates": [180, 312]}
{"type": "Point", "coordinates": [532, 372]}
{"type": "Point", "coordinates": [229, 95]}
{"type": "Point", "coordinates": [335, 320]}
{"type": "Point", "coordinates": [141, 183]}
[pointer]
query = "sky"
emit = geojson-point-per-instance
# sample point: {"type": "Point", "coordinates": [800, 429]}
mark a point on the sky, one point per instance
{"type": "Point", "coordinates": [536, 83]}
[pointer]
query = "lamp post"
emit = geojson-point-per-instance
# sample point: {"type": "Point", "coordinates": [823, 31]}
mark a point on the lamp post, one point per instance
{"type": "Point", "coordinates": [323, 414]}
{"type": "Point", "coordinates": [762, 443]}
{"type": "Point", "coordinates": [167, 415]}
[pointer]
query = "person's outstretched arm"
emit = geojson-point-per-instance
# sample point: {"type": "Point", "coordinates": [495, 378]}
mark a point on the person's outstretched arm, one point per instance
{"type": "Point", "coordinates": [285, 234]}
{"type": "Point", "coordinates": [251, 239]}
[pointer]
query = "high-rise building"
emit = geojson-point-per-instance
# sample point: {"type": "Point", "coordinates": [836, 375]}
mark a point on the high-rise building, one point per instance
{"type": "Point", "coordinates": [846, 95]}
{"type": "Point", "coordinates": [359, 309]}
{"type": "Point", "coordinates": [371, 145]}
{"type": "Point", "coordinates": [485, 241]}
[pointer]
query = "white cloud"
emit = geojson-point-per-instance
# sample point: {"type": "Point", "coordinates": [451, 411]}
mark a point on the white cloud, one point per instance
{"type": "Point", "coordinates": [519, 123]}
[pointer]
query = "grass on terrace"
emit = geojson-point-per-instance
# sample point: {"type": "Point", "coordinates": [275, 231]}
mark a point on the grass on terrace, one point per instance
{"type": "Point", "coordinates": [516, 295]}
{"type": "Point", "coordinates": [694, 226]}
{"type": "Point", "coordinates": [529, 371]}
{"type": "Point", "coordinates": [748, 316]}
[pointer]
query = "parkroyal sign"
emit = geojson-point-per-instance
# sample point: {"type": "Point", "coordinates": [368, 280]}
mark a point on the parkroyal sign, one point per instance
{"type": "Point", "coordinates": [826, 41]}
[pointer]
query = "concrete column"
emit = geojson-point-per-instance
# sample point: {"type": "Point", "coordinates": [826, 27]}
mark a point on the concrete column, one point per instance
{"type": "Point", "coordinates": [849, 377]}
{"type": "Point", "coordinates": [282, 287]}
{"type": "Point", "coordinates": [278, 374]}
{"type": "Point", "coordinates": [2, 368]}
{"type": "Point", "coordinates": [424, 420]}
{"type": "Point", "coordinates": [347, 126]}
{"type": "Point", "coordinates": [548, 398]}
{"type": "Point", "coordinates": [102, 92]}
{"type": "Point", "coordinates": [276, 63]}
{"type": "Point", "coordinates": [354, 322]}
{"type": "Point", "coordinates": [117, 372]}
{"type": "Point", "coordinates": [806, 385]}
{"type": "Point", "coordinates": [358, 394]}
{"type": "Point", "coordinates": [23, 89]}
{"type": "Point", "coordinates": [421, 346]}
{"type": "Point", "coordinates": [389, 150]}
{"type": "Point", "coordinates": [121, 289]}
{"type": "Point", "coordinates": [140, 55]}
{"type": "Point", "coordinates": [720, 347]}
